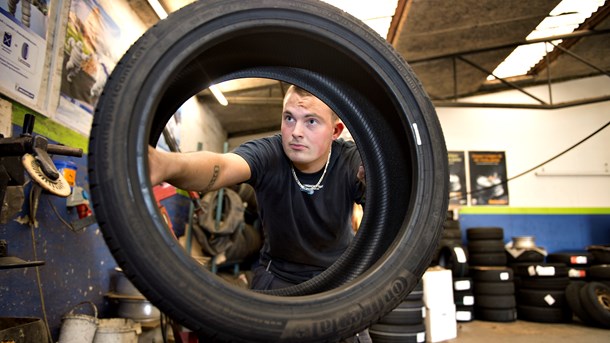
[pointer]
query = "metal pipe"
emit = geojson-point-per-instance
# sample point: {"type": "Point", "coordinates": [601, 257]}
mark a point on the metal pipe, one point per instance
{"type": "Point", "coordinates": [508, 83]}
{"type": "Point", "coordinates": [522, 106]}
{"type": "Point", "coordinates": [575, 34]}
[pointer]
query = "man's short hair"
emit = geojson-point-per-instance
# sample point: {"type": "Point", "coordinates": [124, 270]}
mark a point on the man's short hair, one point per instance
{"type": "Point", "coordinates": [302, 92]}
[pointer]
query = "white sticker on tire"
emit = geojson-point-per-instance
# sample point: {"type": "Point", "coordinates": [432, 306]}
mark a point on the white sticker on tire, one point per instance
{"type": "Point", "coordinates": [459, 253]}
{"type": "Point", "coordinates": [549, 299]}
{"type": "Point", "coordinates": [461, 285]}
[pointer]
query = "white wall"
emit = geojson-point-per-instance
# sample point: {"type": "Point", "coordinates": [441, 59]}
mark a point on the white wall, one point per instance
{"type": "Point", "coordinates": [530, 137]}
{"type": "Point", "coordinates": [199, 125]}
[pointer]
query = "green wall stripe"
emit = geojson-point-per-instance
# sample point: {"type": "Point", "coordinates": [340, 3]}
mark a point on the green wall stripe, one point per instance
{"type": "Point", "coordinates": [48, 128]}
{"type": "Point", "coordinates": [535, 210]}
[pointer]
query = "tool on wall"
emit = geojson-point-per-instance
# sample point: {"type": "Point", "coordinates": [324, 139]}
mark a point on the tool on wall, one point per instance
{"type": "Point", "coordinates": [34, 152]}
{"type": "Point", "coordinates": [29, 152]}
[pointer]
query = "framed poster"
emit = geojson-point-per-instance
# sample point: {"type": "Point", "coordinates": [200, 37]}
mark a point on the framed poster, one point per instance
{"type": "Point", "coordinates": [89, 55]}
{"type": "Point", "coordinates": [23, 26]}
{"type": "Point", "coordinates": [457, 178]}
{"type": "Point", "coordinates": [488, 184]}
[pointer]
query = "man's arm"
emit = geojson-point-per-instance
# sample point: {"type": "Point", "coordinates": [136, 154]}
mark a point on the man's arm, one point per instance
{"type": "Point", "coordinates": [201, 171]}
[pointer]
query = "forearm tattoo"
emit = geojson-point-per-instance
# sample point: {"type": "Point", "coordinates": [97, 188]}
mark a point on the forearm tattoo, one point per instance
{"type": "Point", "coordinates": [213, 180]}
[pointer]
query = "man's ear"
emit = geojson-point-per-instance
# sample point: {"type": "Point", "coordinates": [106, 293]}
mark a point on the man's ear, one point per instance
{"type": "Point", "coordinates": [339, 126]}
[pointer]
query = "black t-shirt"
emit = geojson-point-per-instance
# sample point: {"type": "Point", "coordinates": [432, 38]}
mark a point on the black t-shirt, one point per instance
{"type": "Point", "coordinates": [304, 234]}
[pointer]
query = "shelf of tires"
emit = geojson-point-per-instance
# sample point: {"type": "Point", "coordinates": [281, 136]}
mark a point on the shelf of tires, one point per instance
{"type": "Point", "coordinates": [500, 282]}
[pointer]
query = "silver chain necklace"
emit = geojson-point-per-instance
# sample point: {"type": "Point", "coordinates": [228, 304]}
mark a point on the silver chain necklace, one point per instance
{"type": "Point", "coordinates": [309, 189]}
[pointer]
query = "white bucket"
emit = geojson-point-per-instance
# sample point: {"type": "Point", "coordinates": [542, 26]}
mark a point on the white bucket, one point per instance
{"type": "Point", "coordinates": [78, 328]}
{"type": "Point", "coordinates": [117, 330]}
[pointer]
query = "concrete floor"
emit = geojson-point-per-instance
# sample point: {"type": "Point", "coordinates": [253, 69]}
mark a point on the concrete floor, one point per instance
{"type": "Point", "coordinates": [478, 331]}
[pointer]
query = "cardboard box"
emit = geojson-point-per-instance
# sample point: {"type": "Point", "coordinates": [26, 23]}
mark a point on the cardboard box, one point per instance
{"type": "Point", "coordinates": [441, 323]}
{"type": "Point", "coordinates": [438, 288]}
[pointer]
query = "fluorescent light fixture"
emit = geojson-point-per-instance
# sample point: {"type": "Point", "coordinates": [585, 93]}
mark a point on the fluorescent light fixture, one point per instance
{"type": "Point", "coordinates": [218, 95]}
{"type": "Point", "coordinates": [563, 19]}
{"type": "Point", "coordinates": [156, 6]}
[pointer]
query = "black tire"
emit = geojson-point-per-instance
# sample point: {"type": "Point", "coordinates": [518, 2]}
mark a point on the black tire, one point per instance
{"type": "Point", "coordinates": [492, 274]}
{"type": "Point", "coordinates": [570, 258]}
{"type": "Point", "coordinates": [407, 313]}
{"type": "Point", "coordinates": [528, 256]}
{"type": "Point", "coordinates": [541, 298]}
{"type": "Point", "coordinates": [540, 270]}
{"type": "Point", "coordinates": [462, 284]}
{"type": "Point", "coordinates": [493, 288]}
{"type": "Point", "coordinates": [599, 272]}
{"type": "Point", "coordinates": [601, 253]}
{"type": "Point", "coordinates": [558, 283]}
{"type": "Point", "coordinates": [453, 234]}
{"type": "Point", "coordinates": [451, 224]}
{"type": "Point", "coordinates": [476, 233]}
{"type": "Point", "coordinates": [463, 298]}
{"type": "Point", "coordinates": [573, 299]}
{"type": "Point", "coordinates": [417, 293]}
{"type": "Point", "coordinates": [487, 259]}
{"type": "Point", "coordinates": [595, 300]}
{"type": "Point", "coordinates": [453, 257]}
{"type": "Point", "coordinates": [495, 301]}
{"type": "Point", "coordinates": [495, 315]}
{"type": "Point", "coordinates": [381, 333]}
{"type": "Point", "coordinates": [544, 314]}
{"type": "Point", "coordinates": [464, 313]}
{"type": "Point", "coordinates": [486, 246]}
{"type": "Point", "coordinates": [354, 71]}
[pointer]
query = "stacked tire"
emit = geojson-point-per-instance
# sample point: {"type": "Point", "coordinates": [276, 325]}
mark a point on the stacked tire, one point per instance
{"type": "Point", "coordinates": [599, 270]}
{"type": "Point", "coordinates": [590, 302]}
{"type": "Point", "coordinates": [463, 297]}
{"type": "Point", "coordinates": [405, 323]}
{"type": "Point", "coordinates": [541, 292]}
{"type": "Point", "coordinates": [578, 262]}
{"type": "Point", "coordinates": [486, 246]}
{"type": "Point", "coordinates": [452, 255]}
{"type": "Point", "coordinates": [450, 236]}
{"type": "Point", "coordinates": [494, 293]}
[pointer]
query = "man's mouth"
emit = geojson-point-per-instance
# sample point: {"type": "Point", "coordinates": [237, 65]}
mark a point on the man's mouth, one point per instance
{"type": "Point", "coordinates": [296, 146]}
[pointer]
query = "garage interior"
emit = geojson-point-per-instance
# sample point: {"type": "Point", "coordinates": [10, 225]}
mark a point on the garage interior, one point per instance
{"type": "Point", "coordinates": [548, 123]}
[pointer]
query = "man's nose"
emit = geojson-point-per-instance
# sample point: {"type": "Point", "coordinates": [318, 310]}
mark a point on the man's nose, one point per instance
{"type": "Point", "coordinates": [298, 129]}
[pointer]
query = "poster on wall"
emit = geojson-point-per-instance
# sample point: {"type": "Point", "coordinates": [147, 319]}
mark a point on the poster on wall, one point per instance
{"type": "Point", "coordinates": [23, 26]}
{"type": "Point", "coordinates": [457, 178]}
{"type": "Point", "coordinates": [488, 178]}
{"type": "Point", "coordinates": [89, 57]}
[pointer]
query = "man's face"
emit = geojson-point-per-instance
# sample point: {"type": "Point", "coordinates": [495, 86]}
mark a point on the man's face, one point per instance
{"type": "Point", "coordinates": [308, 129]}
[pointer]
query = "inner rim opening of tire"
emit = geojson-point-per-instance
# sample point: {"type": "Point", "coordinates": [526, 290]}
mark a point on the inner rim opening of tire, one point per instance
{"type": "Point", "coordinates": [338, 76]}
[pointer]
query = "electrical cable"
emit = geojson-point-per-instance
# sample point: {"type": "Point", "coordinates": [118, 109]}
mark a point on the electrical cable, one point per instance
{"type": "Point", "coordinates": [505, 182]}
{"type": "Point", "coordinates": [39, 282]}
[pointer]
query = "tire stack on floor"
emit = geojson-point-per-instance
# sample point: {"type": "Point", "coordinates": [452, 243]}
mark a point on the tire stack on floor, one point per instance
{"type": "Point", "coordinates": [486, 246]}
{"type": "Point", "coordinates": [405, 323]}
{"type": "Point", "coordinates": [541, 292]}
{"type": "Point", "coordinates": [452, 255]}
{"type": "Point", "coordinates": [599, 271]}
{"type": "Point", "coordinates": [578, 262]}
{"type": "Point", "coordinates": [590, 302]}
{"type": "Point", "coordinates": [494, 293]}
{"type": "Point", "coordinates": [493, 286]}
{"type": "Point", "coordinates": [590, 299]}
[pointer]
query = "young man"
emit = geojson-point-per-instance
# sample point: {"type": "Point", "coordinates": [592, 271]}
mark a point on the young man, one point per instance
{"type": "Point", "coordinates": [306, 182]}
